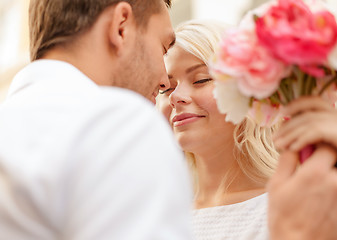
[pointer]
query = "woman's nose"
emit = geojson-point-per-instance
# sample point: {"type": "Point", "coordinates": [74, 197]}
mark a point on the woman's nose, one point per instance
{"type": "Point", "coordinates": [180, 95]}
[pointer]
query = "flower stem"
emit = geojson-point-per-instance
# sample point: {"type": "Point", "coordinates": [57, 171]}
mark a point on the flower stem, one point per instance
{"type": "Point", "coordinates": [284, 92]}
{"type": "Point", "coordinates": [310, 82]}
{"type": "Point", "coordinates": [300, 78]}
{"type": "Point", "coordinates": [275, 98]}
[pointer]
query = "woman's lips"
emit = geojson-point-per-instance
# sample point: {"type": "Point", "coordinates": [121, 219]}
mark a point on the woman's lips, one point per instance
{"type": "Point", "coordinates": [185, 118]}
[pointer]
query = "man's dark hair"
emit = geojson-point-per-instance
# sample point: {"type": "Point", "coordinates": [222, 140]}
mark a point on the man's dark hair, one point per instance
{"type": "Point", "coordinates": [52, 22]}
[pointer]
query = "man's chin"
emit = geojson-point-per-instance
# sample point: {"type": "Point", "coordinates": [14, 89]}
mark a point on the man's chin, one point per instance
{"type": "Point", "coordinates": [153, 99]}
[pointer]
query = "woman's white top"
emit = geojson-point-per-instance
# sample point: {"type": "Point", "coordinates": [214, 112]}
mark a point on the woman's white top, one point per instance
{"type": "Point", "coordinates": [245, 220]}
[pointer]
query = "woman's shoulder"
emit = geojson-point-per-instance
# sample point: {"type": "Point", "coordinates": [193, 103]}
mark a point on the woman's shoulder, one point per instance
{"type": "Point", "coordinates": [260, 200]}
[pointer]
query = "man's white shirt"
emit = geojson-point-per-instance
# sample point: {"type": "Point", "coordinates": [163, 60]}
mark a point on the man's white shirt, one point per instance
{"type": "Point", "coordinates": [83, 162]}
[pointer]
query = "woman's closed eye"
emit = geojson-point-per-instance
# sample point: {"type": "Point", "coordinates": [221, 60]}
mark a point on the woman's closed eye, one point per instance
{"type": "Point", "coordinates": [203, 80]}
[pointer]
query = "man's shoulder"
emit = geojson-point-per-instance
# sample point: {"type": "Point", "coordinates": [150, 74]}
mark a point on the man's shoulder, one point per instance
{"type": "Point", "coordinates": [115, 103]}
{"type": "Point", "coordinates": [125, 108]}
{"type": "Point", "coordinates": [124, 97]}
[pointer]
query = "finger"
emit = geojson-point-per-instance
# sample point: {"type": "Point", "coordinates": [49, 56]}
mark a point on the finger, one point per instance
{"type": "Point", "coordinates": [290, 137]}
{"type": "Point", "coordinates": [308, 128]}
{"type": "Point", "coordinates": [287, 164]}
{"type": "Point", "coordinates": [304, 104]}
{"type": "Point", "coordinates": [323, 158]}
{"type": "Point", "coordinates": [295, 128]}
{"type": "Point", "coordinates": [305, 119]}
{"type": "Point", "coordinates": [306, 138]}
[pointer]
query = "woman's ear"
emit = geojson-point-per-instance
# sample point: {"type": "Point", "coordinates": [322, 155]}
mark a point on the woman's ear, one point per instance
{"type": "Point", "coordinates": [122, 26]}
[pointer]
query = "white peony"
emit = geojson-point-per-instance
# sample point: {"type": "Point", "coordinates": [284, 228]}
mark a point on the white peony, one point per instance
{"type": "Point", "coordinates": [230, 101]}
{"type": "Point", "coordinates": [332, 58]}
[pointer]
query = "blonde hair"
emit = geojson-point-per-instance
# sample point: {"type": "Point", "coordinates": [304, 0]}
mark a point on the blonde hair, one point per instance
{"type": "Point", "coordinates": [254, 148]}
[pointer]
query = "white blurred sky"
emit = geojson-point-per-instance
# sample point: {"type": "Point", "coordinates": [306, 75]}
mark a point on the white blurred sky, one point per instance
{"type": "Point", "coordinates": [14, 25]}
{"type": "Point", "coordinates": [230, 11]}
{"type": "Point", "coordinates": [13, 33]}
{"type": "Point", "coordinates": [9, 38]}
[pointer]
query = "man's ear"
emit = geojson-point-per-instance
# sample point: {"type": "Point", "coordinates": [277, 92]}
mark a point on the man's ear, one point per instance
{"type": "Point", "coordinates": [122, 26]}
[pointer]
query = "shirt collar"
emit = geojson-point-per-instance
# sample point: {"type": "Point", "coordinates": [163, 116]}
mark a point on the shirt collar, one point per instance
{"type": "Point", "coordinates": [51, 74]}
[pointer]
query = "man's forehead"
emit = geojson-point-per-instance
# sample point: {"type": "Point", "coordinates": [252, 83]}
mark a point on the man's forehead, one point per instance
{"type": "Point", "coordinates": [161, 23]}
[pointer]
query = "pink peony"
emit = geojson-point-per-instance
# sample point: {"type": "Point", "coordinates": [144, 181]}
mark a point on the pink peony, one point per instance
{"type": "Point", "coordinates": [241, 57]}
{"type": "Point", "coordinates": [296, 35]}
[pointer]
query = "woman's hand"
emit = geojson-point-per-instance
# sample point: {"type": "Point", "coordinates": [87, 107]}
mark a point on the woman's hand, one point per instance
{"type": "Point", "coordinates": [312, 121]}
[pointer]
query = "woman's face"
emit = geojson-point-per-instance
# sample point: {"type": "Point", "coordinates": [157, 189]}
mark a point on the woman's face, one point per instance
{"type": "Point", "coordinates": [189, 104]}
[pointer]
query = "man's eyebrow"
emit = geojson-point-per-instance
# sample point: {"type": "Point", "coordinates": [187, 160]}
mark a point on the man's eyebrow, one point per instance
{"type": "Point", "coordinates": [190, 69]}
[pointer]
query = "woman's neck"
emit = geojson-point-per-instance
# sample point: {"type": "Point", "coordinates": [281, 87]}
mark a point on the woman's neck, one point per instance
{"type": "Point", "coordinates": [221, 181]}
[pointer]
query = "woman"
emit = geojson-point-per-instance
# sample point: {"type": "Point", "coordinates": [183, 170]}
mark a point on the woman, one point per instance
{"type": "Point", "coordinates": [230, 164]}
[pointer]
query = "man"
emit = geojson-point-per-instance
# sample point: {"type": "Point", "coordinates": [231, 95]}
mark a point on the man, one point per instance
{"type": "Point", "coordinates": [302, 201]}
{"type": "Point", "coordinates": [83, 161]}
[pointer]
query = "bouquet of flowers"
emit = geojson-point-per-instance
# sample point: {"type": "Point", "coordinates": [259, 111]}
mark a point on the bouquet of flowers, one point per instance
{"type": "Point", "coordinates": [279, 52]}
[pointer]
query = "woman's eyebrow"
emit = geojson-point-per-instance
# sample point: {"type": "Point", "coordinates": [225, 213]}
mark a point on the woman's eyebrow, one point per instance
{"type": "Point", "coordinates": [190, 69]}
